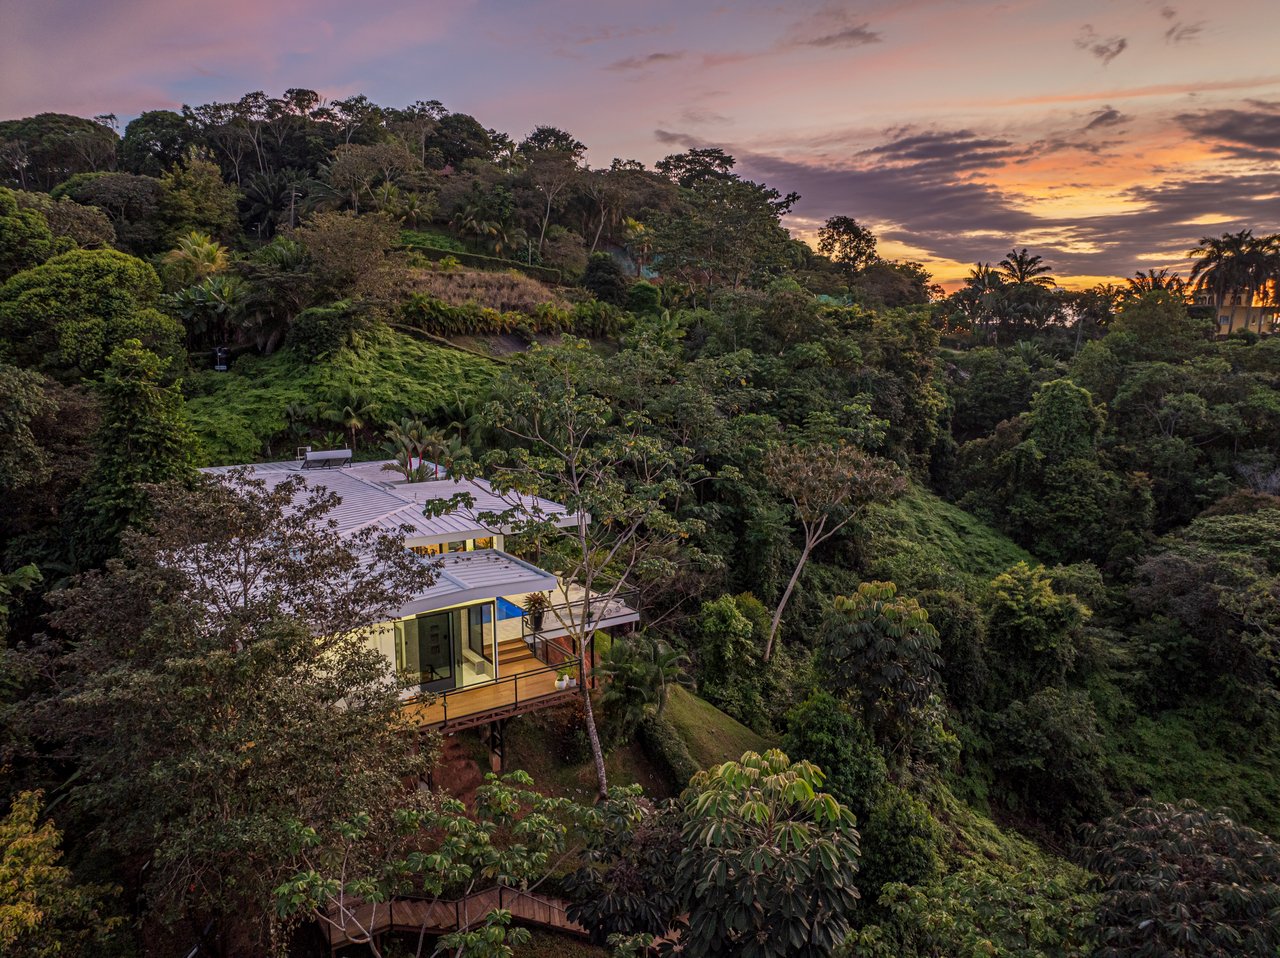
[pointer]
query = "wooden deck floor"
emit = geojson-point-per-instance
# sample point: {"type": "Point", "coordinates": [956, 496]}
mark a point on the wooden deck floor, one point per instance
{"type": "Point", "coordinates": [441, 917]}
{"type": "Point", "coordinates": [526, 686]}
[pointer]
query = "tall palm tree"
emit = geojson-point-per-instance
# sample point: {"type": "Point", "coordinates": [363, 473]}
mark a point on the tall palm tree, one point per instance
{"type": "Point", "coordinates": [639, 242]}
{"type": "Point", "coordinates": [417, 443]}
{"type": "Point", "coordinates": [1226, 266]}
{"type": "Point", "coordinates": [1024, 268]}
{"type": "Point", "coordinates": [352, 409]}
{"type": "Point", "coordinates": [982, 296]}
{"type": "Point", "coordinates": [1267, 270]}
{"type": "Point", "coordinates": [414, 209]}
{"type": "Point", "coordinates": [1151, 281]}
{"type": "Point", "coordinates": [213, 307]}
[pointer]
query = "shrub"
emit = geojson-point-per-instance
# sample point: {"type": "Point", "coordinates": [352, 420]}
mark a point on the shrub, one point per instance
{"type": "Point", "coordinates": [962, 631]}
{"type": "Point", "coordinates": [416, 239]}
{"type": "Point", "coordinates": [901, 841]}
{"type": "Point", "coordinates": [544, 273]}
{"type": "Point", "coordinates": [1048, 753]}
{"type": "Point", "coordinates": [594, 319]}
{"type": "Point", "coordinates": [605, 278]}
{"type": "Point", "coordinates": [729, 667]}
{"type": "Point", "coordinates": [769, 863]}
{"type": "Point", "coordinates": [322, 330]}
{"type": "Point", "coordinates": [1182, 880]}
{"type": "Point", "coordinates": [821, 730]}
{"type": "Point", "coordinates": [1032, 630]}
{"type": "Point", "coordinates": [663, 744]}
{"type": "Point", "coordinates": [643, 298]}
{"type": "Point", "coordinates": [986, 908]}
{"type": "Point", "coordinates": [626, 884]}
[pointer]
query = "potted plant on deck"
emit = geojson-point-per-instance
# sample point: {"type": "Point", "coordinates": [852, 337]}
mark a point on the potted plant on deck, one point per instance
{"type": "Point", "coordinates": [564, 677]}
{"type": "Point", "coordinates": [536, 605]}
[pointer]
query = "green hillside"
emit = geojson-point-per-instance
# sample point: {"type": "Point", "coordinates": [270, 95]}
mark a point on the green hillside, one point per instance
{"type": "Point", "coordinates": [710, 735]}
{"type": "Point", "coordinates": [923, 541]}
{"type": "Point", "coordinates": [243, 415]}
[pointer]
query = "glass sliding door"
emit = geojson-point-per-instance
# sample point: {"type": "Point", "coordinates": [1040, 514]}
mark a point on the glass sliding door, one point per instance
{"type": "Point", "coordinates": [478, 629]}
{"type": "Point", "coordinates": [426, 649]}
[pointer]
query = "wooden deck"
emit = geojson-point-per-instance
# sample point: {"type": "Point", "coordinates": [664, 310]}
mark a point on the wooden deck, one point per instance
{"type": "Point", "coordinates": [532, 687]}
{"type": "Point", "coordinates": [526, 674]}
{"type": "Point", "coordinates": [364, 921]}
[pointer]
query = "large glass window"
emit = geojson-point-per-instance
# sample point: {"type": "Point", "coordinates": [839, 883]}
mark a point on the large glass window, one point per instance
{"type": "Point", "coordinates": [425, 650]}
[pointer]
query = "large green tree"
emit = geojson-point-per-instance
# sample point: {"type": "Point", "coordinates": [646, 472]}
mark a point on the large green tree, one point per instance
{"type": "Point", "coordinates": [829, 485]}
{"type": "Point", "coordinates": [217, 684]}
{"type": "Point", "coordinates": [848, 243]}
{"type": "Point", "coordinates": [39, 152]}
{"type": "Point", "coordinates": [25, 238]}
{"type": "Point", "coordinates": [68, 314]}
{"type": "Point", "coordinates": [724, 233]}
{"type": "Point", "coordinates": [770, 862]}
{"type": "Point", "coordinates": [880, 651]}
{"type": "Point", "coordinates": [619, 481]}
{"type": "Point", "coordinates": [144, 438]}
{"type": "Point", "coordinates": [1043, 478]}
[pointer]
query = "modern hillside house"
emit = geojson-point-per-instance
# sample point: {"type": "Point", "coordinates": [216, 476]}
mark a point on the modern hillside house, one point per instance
{"type": "Point", "coordinates": [469, 645]}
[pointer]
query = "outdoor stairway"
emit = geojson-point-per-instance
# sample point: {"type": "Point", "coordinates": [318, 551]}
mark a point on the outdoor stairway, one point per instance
{"type": "Point", "coordinates": [514, 655]}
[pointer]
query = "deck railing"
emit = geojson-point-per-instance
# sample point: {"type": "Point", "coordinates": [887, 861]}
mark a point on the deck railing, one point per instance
{"type": "Point", "coordinates": [564, 615]}
{"type": "Point", "coordinates": [405, 913]}
{"type": "Point", "coordinates": [506, 693]}
{"type": "Point", "coordinates": [535, 687]}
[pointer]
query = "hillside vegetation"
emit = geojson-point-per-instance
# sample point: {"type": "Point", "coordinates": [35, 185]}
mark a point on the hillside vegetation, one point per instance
{"type": "Point", "coordinates": [944, 650]}
{"type": "Point", "coordinates": [246, 415]}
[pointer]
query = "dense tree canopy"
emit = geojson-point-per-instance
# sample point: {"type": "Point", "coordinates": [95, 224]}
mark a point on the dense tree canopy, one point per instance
{"type": "Point", "coordinates": [1004, 555]}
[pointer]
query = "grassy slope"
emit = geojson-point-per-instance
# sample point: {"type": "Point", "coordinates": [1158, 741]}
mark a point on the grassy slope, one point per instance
{"type": "Point", "coordinates": [237, 414]}
{"type": "Point", "coordinates": [1195, 753]}
{"type": "Point", "coordinates": [711, 736]}
{"type": "Point", "coordinates": [921, 541]}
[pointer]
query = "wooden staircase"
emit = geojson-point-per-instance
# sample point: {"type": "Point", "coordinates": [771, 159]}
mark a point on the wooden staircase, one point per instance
{"type": "Point", "coordinates": [514, 655]}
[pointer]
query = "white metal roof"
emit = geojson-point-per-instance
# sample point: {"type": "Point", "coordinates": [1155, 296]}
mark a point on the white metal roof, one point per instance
{"type": "Point", "coordinates": [373, 496]}
{"type": "Point", "coordinates": [474, 576]}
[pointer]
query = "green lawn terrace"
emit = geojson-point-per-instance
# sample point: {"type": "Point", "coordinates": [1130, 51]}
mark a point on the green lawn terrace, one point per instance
{"type": "Point", "coordinates": [473, 646]}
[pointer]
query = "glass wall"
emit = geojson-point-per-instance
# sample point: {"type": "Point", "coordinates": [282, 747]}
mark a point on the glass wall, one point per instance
{"type": "Point", "coordinates": [458, 545]}
{"type": "Point", "coordinates": [449, 649]}
{"type": "Point", "coordinates": [426, 650]}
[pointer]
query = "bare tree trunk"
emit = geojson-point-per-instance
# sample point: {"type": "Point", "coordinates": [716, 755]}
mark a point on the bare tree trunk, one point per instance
{"type": "Point", "coordinates": [593, 734]}
{"type": "Point", "coordinates": [546, 218]}
{"type": "Point", "coordinates": [786, 596]}
{"type": "Point", "coordinates": [596, 239]}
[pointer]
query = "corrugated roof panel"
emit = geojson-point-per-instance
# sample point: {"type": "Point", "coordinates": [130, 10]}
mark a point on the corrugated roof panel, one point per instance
{"type": "Point", "coordinates": [371, 496]}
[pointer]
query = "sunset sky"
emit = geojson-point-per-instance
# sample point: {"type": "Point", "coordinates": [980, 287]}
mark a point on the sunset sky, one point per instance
{"type": "Point", "coordinates": [1108, 135]}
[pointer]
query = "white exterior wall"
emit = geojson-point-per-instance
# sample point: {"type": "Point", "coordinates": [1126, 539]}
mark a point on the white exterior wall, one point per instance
{"type": "Point", "coordinates": [383, 637]}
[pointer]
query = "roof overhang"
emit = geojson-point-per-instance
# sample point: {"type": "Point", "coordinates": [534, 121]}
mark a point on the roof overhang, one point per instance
{"type": "Point", "coordinates": [464, 577]}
